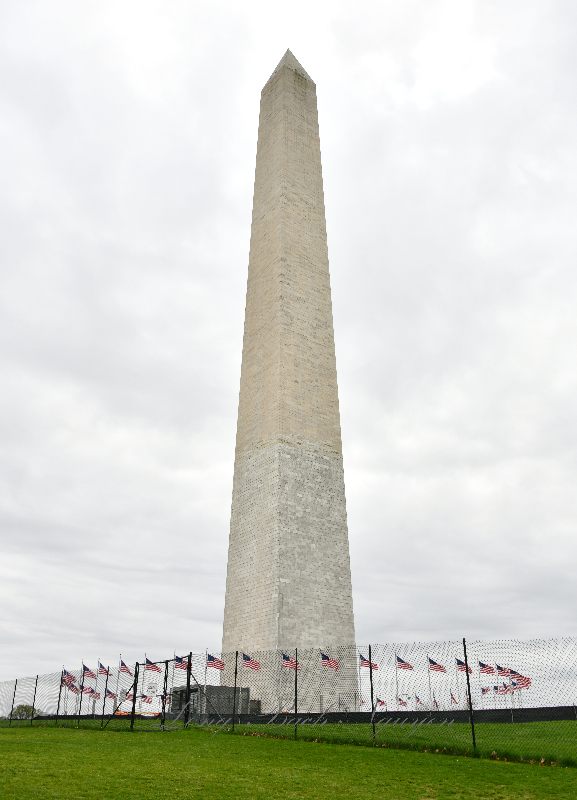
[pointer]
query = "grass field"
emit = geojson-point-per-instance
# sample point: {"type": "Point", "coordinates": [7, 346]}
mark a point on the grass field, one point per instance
{"type": "Point", "coordinates": [529, 741]}
{"type": "Point", "coordinates": [51, 763]}
{"type": "Point", "coordinates": [553, 742]}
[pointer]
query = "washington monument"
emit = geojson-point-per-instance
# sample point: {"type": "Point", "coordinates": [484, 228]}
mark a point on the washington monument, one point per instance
{"type": "Point", "coordinates": [288, 580]}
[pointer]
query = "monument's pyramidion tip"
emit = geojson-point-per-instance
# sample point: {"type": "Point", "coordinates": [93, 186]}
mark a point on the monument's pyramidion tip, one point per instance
{"type": "Point", "coordinates": [288, 60]}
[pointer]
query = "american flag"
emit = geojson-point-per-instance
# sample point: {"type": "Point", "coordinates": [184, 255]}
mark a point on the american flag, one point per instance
{"type": "Point", "coordinates": [403, 664]}
{"type": "Point", "coordinates": [102, 670]}
{"type": "Point", "coordinates": [504, 672]}
{"type": "Point", "coordinates": [129, 696]}
{"type": "Point", "coordinates": [401, 702]}
{"type": "Point", "coordinates": [486, 669]}
{"type": "Point", "coordinates": [380, 702]}
{"type": "Point", "coordinates": [74, 689]}
{"type": "Point", "coordinates": [250, 662]}
{"type": "Point", "coordinates": [124, 668]}
{"type": "Point", "coordinates": [485, 689]}
{"type": "Point", "coordinates": [454, 699]}
{"type": "Point", "coordinates": [96, 695]}
{"type": "Point", "coordinates": [435, 704]}
{"type": "Point", "coordinates": [289, 662]}
{"type": "Point", "coordinates": [434, 667]}
{"type": "Point", "coordinates": [150, 665]}
{"type": "Point", "coordinates": [364, 662]}
{"type": "Point", "coordinates": [214, 662]}
{"type": "Point", "coordinates": [519, 681]}
{"type": "Point", "coordinates": [180, 663]}
{"type": "Point", "coordinates": [462, 667]}
{"type": "Point", "coordinates": [68, 678]}
{"type": "Point", "coordinates": [146, 698]}
{"type": "Point", "coordinates": [88, 690]}
{"type": "Point", "coordinates": [110, 694]}
{"type": "Point", "coordinates": [88, 673]}
{"type": "Point", "coordinates": [418, 700]}
{"type": "Point", "coordinates": [504, 688]}
{"type": "Point", "coordinates": [329, 662]}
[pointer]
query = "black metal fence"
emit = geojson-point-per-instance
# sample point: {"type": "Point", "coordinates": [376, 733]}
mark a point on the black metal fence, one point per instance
{"type": "Point", "coordinates": [505, 699]}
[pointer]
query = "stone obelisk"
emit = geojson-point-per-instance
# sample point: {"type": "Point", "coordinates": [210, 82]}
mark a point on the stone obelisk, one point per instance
{"type": "Point", "coordinates": [288, 581]}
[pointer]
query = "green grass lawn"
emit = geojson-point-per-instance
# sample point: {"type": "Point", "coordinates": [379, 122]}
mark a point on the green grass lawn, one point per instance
{"type": "Point", "coordinates": [530, 741]}
{"type": "Point", "coordinates": [553, 741]}
{"type": "Point", "coordinates": [82, 764]}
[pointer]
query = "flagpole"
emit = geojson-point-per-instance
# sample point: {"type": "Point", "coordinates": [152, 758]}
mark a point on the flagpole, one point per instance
{"type": "Point", "coordinates": [396, 682]}
{"type": "Point", "coordinates": [321, 687]}
{"type": "Point", "coordinates": [205, 668]}
{"type": "Point", "coordinates": [172, 678]}
{"type": "Point", "coordinates": [104, 699]}
{"type": "Point", "coordinates": [81, 693]}
{"type": "Point", "coordinates": [118, 674]}
{"type": "Point", "coordinates": [429, 676]}
{"type": "Point", "coordinates": [360, 686]}
{"type": "Point", "coordinates": [95, 688]}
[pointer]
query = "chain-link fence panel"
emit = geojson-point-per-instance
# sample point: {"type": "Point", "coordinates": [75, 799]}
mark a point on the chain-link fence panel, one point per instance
{"type": "Point", "coordinates": [503, 699]}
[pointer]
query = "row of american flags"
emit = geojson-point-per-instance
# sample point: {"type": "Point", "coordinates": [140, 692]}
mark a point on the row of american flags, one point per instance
{"type": "Point", "coordinates": [518, 680]}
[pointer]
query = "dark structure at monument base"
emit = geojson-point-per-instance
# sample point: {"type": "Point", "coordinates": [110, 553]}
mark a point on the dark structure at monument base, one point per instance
{"type": "Point", "coordinates": [214, 701]}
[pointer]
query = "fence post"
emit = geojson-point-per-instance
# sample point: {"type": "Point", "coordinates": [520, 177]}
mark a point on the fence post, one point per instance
{"type": "Point", "coordinates": [81, 696]}
{"type": "Point", "coordinates": [234, 690]}
{"type": "Point", "coordinates": [59, 696]}
{"type": "Point", "coordinates": [164, 690]}
{"type": "Point", "coordinates": [372, 695]}
{"type": "Point", "coordinates": [104, 699]}
{"type": "Point", "coordinates": [187, 706]}
{"type": "Point", "coordinates": [13, 699]}
{"type": "Point", "coordinates": [471, 717]}
{"type": "Point", "coordinates": [34, 701]}
{"type": "Point", "coordinates": [135, 690]}
{"type": "Point", "coordinates": [296, 690]}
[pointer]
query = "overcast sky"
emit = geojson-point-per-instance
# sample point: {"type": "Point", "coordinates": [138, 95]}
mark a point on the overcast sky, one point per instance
{"type": "Point", "coordinates": [128, 133]}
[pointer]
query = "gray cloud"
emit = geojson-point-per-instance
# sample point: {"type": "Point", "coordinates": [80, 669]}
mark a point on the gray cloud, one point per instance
{"type": "Point", "coordinates": [448, 132]}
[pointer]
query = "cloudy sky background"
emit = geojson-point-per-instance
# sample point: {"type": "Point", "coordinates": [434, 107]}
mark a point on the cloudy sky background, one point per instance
{"type": "Point", "coordinates": [128, 134]}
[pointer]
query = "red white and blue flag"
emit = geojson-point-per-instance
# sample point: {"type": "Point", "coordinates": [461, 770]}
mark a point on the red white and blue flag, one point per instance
{"type": "Point", "coordinates": [87, 672]}
{"type": "Point", "coordinates": [486, 669]}
{"type": "Point", "coordinates": [151, 666]}
{"type": "Point", "coordinates": [401, 664]}
{"type": "Point", "coordinates": [329, 662]}
{"type": "Point", "coordinates": [364, 662]}
{"type": "Point", "coordinates": [180, 662]}
{"type": "Point", "coordinates": [88, 690]}
{"type": "Point", "coordinates": [67, 678]}
{"type": "Point", "coordinates": [462, 667]}
{"type": "Point", "coordinates": [504, 688]}
{"type": "Point", "coordinates": [434, 667]}
{"type": "Point", "coordinates": [454, 699]}
{"type": "Point", "coordinates": [401, 702]}
{"type": "Point", "coordinates": [504, 672]}
{"type": "Point", "coordinates": [214, 662]}
{"type": "Point", "coordinates": [146, 698]}
{"type": "Point", "coordinates": [485, 689]}
{"type": "Point", "coordinates": [418, 700]}
{"type": "Point", "coordinates": [380, 702]}
{"type": "Point", "coordinates": [124, 668]}
{"type": "Point", "coordinates": [250, 662]}
{"type": "Point", "coordinates": [110, 695]}
{"type": "Point", "coordinates": [519, 681]}
{"type": "Point", "coordinates": [289, 662]}
{"type": "Point", "coordinates": [102, 670]}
